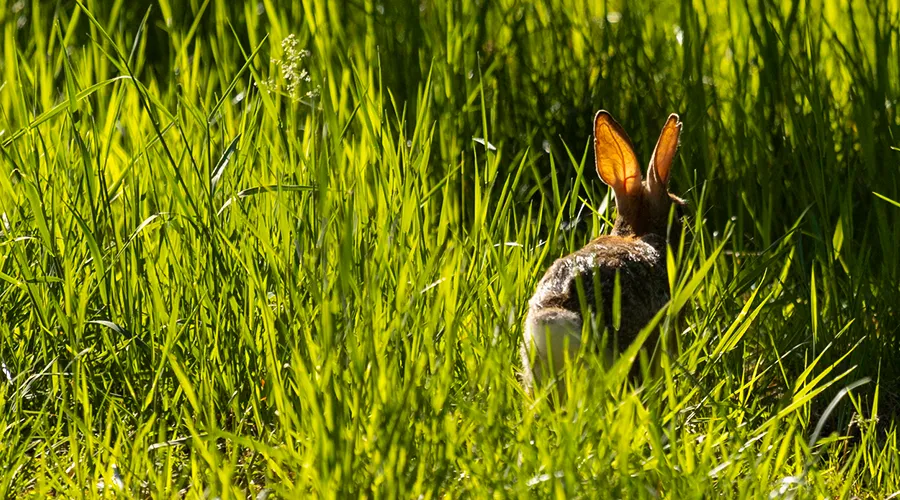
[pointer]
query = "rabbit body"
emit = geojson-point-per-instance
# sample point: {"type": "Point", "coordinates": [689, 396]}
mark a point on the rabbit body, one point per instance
{"type": "Point", "coordinates": [555, 308]}
{"type": "Point", "coordinates": [585, 279]}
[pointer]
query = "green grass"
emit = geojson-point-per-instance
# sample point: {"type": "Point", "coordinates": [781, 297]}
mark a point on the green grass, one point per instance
{"type": "Point", "coordinates": [227, 266]}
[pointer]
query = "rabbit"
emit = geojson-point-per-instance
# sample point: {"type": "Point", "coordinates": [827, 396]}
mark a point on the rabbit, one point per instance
{"type": "Point", "coordinates": [635, 249]}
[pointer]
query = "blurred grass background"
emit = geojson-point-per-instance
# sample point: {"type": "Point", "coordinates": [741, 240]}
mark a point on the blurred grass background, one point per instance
{"type": "Point", "coordinates": [287, 246]}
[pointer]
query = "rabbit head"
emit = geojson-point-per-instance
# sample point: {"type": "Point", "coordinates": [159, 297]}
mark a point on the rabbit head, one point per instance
{"type": "Point", "coordinates": [642, 205]}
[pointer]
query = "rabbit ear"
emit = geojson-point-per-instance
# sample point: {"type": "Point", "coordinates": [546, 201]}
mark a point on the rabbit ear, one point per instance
{"type": "Point", "coordinates": [616, 161]}
{"type": "Point", "coordinates": [664, 154]}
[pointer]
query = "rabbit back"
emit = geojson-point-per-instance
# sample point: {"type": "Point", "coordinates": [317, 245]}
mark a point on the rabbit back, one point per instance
{"type": "Point", "coordinates": [643, 282]}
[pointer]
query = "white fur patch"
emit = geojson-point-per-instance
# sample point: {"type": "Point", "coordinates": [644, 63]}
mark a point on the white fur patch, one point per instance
{"type": "Point", "coordinates": [548, 335]}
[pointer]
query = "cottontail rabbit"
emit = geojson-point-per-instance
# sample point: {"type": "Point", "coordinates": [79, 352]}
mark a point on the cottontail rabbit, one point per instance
{"type": "Point", "coordinates": [636, 250]}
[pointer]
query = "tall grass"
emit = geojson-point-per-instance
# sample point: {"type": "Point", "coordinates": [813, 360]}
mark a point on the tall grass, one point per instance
{"type": "Point", "coordinates": [229, 266]}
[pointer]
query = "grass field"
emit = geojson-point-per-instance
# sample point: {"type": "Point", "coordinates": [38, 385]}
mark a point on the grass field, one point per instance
{"type": "Point", "coordinates": [285, 248]}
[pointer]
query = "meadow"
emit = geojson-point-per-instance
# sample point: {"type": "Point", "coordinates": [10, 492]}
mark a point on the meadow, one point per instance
{"type": "Point", "coordinates": [280, 249]}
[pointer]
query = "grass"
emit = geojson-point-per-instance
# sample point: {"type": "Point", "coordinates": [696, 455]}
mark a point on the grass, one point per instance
{"type": "Point", "coordinates": [229, 266]}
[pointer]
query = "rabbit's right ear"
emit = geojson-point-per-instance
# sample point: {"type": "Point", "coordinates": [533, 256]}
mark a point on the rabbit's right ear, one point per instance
{"type": "Point", "coordinates": [664, 154]}
{"type": "Point", "coordinates": [616, 162]}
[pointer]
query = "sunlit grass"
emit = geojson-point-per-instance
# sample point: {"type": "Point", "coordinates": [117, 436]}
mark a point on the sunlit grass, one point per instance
{"type": "Point", "coordinates": [228, 266]}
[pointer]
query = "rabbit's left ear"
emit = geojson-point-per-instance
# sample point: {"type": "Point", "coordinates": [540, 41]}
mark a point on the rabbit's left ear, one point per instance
{"type": "Point", "coordinates": [664, 154]}
{"type": "Point", "coordinates": [616, 162]}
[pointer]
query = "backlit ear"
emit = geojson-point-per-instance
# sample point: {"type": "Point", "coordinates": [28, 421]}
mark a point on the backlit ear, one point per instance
{"type": "Point", "coordinates": [616, 162]}
{"type": "Point", "coordinates": [664, 154]}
